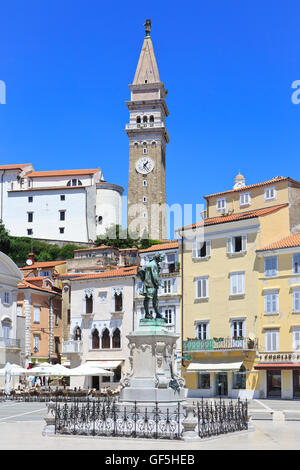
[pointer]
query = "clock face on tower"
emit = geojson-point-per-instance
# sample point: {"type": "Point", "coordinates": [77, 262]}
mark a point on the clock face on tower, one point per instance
{"type": "Point", "coordinates": [144, 165]}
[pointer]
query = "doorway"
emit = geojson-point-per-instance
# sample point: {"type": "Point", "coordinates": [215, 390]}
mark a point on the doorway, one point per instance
{"type": "Point", "coordinates": [221, 384]}
{"type": "Point", "coordinates": [296, 383]}
{"type": "Point", "coordinates": [96, 382]}
{"type": "Point", "coordinates": [274, 383]}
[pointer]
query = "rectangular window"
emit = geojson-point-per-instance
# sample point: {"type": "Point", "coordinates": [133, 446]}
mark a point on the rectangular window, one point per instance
{"type": "Point", "coordinates": [62, 197]}
{"type": "Point", "coordinates": [296, 339]}
{"type": "Point", "coordinates": [36, 343]}
{"type": "Point", "coordinates": [36, 314]}
{"type": "Point", "coordinates": [102, 297]}
{"type": "Point", "coordinates": [202, 288]}
{"type": "Point", "coordinates": [202, 330]}
{"type": "Point", "coordinates": [237, 328]}
{"type": "Point", "coordinates": [271, 302]}
{"type": "Point", "coordinates": [271, 266]}
{"type": "Point", "coordinates": [30, 199]}
{"type": "Point", "coordinates": [19, 310]}
{"type": "Point", "coordinates": [296, 263]}
{"type": "Point", "coordinates": [168, 315]}
{"type": "Point", "coordinates": [238, 380]}
{"type": "Point", "coordinates": [56, 319]}
{"type": "Point", "coordinates": [270, 194]}
{"type": "Point", "coordinates": [30, 216]}
{"type": "Point", "coordinates": [296, 300]}
{"type": "Point", "coordinates": [204, 381]}
{"type": "Point", "coordinates": [237, 283]}
{"type": "Point", "coordinates": [6, 297]}
{"type": "Point", "coordinates": [44, 273]}
{"type": "Point", "coordinates": [271, 340]}
{"type": "Point", "coordinates": [221, 204]}
{"type": "Point", "coordinates": [62, 215]}
{"type": "Point", "coordinates": [29, 231]}
{"type": "Point", "coordinates": [237, 244]}
{"type": "Point", "coordinates": [201, 249]}
{"type": "Point", "coordinates": [56, 342]}
{"type": "Point", "coordinates": [245, 199]}
{"type": "Point", "coordinates": [167, 286]}
{"type": "Point", "coordinates": [61, 229]}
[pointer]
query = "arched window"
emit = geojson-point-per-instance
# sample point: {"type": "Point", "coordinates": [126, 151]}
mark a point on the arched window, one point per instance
{"type": "Point", "coordinates": [138, 119]}
{"type": "Point", "coordinates": [77, 333]}
{"type": "Point", "coordinates": [95, 339]}
{"type": "Point", "coordinates": [145, 119]}
{"type": "Point", "coordinates": [105, 340]}
{"type": "Point", "coordinates": [151, 119]}
{"type": "Point", "coordinates": [74, 182]}
{"type": "Point", "coordinates": [116, 339]}
{"type": "Point", "coordinates": [6, 327]}
{"type": "Point", "coordinates": [88, 304]}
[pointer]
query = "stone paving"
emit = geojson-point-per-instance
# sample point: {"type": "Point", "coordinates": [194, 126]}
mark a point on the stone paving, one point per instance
{"type": "Point", "coordinates": [21, 426]}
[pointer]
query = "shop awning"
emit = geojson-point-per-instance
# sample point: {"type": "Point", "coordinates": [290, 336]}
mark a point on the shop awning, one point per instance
{"type": "Point", "coordinates": [217, 365]}
{"type": "Point", "coordinates": [277, 365]}
{"type": "Point", "coordinates": [105, 364]}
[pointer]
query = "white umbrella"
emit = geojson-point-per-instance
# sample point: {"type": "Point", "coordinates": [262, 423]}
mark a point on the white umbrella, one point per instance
{"type": "Point", "coordinates": [48, 370]}
{"type": "Point", "coordinates": [88, 370]}
{"type": "Point", "coordinates": [15, 369]}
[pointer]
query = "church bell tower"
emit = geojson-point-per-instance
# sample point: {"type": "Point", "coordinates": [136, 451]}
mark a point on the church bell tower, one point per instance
{"type": "Point", "coordinates": [148, 138]}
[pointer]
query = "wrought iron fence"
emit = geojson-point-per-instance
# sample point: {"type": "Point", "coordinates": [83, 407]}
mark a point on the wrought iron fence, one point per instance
{"type": "Point", "coordinates": [107, 418]}
{"type": "Point", "coordinates": [218, 417]}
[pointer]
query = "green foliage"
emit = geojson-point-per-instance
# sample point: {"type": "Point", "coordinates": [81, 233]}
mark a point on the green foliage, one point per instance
{"type": "Point", "coordinates": [4, 239]}
{"type": "Point", "coordinates": [120, 238]}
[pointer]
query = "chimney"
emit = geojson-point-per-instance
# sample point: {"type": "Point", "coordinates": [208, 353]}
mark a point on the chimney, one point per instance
{"type": "Point", "coordinates": [31, 257]}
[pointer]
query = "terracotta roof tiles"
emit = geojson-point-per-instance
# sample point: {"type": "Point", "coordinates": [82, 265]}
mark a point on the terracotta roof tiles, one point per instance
{"type": "Point", "coordinates": [235, 217]}
{"type": "Point", "coordinates": [287, 242]}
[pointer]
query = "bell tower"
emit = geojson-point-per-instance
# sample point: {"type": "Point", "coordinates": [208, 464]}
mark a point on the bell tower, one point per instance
{"type": "Point", "coordinates": [148, 138]}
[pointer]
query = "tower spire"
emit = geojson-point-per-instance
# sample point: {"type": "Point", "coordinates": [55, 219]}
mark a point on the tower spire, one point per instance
{"type": "Point", "coordinates": [147, 70]}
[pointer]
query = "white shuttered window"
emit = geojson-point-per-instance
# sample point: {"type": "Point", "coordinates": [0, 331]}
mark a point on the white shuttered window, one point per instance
{"type": "Point", "coordinates": [271, 340]}
{"type": "Point", "coordinates": [201, 287]}
{"type": "Point", "coordinates": [237, 283]}
{"type": "Point", "coordinates": [271, 302]}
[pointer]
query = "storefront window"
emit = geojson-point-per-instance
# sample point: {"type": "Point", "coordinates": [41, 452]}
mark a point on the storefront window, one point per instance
{"type": "Point", "coordinates": [238, 380]}
{"type": "Point", "coordinates": [203, 381]}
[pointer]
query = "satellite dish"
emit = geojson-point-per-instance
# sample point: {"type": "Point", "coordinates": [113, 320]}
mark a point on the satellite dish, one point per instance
{"type": "Point", "coordinates": [29, 262]}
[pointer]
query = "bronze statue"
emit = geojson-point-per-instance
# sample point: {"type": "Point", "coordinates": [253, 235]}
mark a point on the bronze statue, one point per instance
{"type": "Point", "coordinates": [149, 275]}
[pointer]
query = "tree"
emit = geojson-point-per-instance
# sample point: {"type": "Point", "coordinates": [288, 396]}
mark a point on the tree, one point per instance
{"type": "Point", "coordinates": [4, 239]}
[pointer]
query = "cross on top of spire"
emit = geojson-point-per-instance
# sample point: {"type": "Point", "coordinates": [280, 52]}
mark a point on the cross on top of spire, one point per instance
{"type": "Point", "coordinates": [148, 27]}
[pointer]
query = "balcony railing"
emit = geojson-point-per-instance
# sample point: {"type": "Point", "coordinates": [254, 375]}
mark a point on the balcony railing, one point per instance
{"type": "Point", "coordinates": [72, 347]}
{"type": "Point", "coordinates": [9, 343]}
{"type": "Point", "coordinates": [213, 344]}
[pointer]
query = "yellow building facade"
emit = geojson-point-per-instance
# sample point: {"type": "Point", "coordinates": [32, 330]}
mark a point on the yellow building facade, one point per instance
{"type": "Point", "coordinates": [279, 318]}
{"type": "Point", "coordinates": [221, 269]}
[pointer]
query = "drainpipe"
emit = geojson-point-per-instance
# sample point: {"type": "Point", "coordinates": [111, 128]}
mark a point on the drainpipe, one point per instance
{"type": "Point", "coordinates": [2, 190]}
{"type": "Point", "coordinates": [182, 310]}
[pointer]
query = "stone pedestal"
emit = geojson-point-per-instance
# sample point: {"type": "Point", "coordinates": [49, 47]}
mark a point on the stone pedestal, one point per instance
{"type": "Point", "coordinates": [152, 358]}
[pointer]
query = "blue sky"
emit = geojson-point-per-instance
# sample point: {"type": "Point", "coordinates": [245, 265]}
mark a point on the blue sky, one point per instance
{"type": "Point", "coordinates": [228, 67]}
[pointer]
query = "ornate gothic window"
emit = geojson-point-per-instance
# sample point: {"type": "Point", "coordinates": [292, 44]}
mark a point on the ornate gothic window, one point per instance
{"type": "Point", "coordinates": [138, 119]}
{"type": "Point", "coordinates": [77, 333]}
{"type": "Point", "coordinates": [88, 297]}
{"type": "Point", "coordinates": [105, 340]}
{"type": "Point", "coordinates": [145, 119]}
{"type": "Point", "coordinates": [95, 339]}
{"type": "Point", "coordinates": [116, 339]}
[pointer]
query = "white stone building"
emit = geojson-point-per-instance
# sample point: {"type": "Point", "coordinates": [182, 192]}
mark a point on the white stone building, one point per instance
{"type": "Point", "coordinates": [101, 316]}
{"type": "Point", "coordinates": [12, 331]}
{"type": "Point", "coordinates": [66, 205]}
{"type": "Point", "coordinates": [169, 295]}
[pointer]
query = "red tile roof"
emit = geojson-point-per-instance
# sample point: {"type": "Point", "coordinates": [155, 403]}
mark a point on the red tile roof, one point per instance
{"type": "Point", "coordinates": [44, 264]}
{"type": "Point", "coordinates": [130, 271]}
{"type": "Point", "coordinates": [234, 217]}
{"type": "Point", "coordinates": [28, 285]}
{"type": "Point", "coordinates": [287, 242]}
{"type": "Point", "coordinates": [14, 167]}
{"type": "Point", "coordinates": [37, 174]}
{"type": "Point", "coordinates": [257, 185]}
{"type": "Point", "coordinates": [160, 247]}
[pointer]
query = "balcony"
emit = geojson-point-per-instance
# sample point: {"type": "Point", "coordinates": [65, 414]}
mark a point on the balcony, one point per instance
{"type": "Point", "coordinates": [144, 125]}
{"type": "Point", "coordinates": [215, 344]}
{"type": "Point", "coordinates": [72, 347]}
{"type": "Point", "coordinates": [10, 343]}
